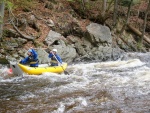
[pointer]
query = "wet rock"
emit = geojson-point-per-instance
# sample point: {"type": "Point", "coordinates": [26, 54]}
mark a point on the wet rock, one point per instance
{"type": "Point", "coordinates": [144, 57]}
{"type": "Point", "coordinates": [116, 53]}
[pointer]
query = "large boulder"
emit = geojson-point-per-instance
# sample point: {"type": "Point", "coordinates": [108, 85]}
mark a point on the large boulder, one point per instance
{"type": "Point", "coordinates": [42, 56]}
{"type": "Point", "coordinates": [98, 34]}
{"type": "Point", "coordinates": [52, 37]}
{"type": "Point", "coordinates": [57, 41]}
{"type": "Point", "coordinates": [67, 52]}
{"type": "Point", "coordinates": [97, 45]}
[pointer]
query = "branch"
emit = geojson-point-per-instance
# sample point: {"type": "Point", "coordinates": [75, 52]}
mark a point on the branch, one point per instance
{"type": "Point", "coordinates": [30, 38]}
{"type": "Point", "coordinates": [23, 35]}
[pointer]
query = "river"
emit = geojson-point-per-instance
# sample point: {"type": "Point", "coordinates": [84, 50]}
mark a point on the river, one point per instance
{"type": "Point", "coordinates": [121, 86]}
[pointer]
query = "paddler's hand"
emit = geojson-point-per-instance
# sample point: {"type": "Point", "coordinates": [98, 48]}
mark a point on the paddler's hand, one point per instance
{"type": "Point", "coordinates": [51, 52]}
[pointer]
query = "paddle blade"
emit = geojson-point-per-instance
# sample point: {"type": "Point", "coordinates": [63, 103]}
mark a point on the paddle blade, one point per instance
{"type": "Point", "coordinates": [16, 69]}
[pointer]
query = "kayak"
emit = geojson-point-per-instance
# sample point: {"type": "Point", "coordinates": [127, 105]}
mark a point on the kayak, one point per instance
{"type": "Point", "coordinates": [42, 69]}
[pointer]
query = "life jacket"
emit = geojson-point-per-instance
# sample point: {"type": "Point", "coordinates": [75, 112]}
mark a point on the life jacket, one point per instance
{"type": "Point", "coordinates": [32, 60]}
{"type": "Point", "coordinates": [53, 60]}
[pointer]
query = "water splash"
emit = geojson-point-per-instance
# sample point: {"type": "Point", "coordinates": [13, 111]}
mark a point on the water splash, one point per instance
{"type": "Point", "coordinates": [114, 86]}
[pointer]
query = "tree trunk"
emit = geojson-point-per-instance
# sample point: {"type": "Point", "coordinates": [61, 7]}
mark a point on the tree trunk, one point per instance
{"type": "Point", "coordinates": [144, 26]}
{"type": "Point", "coordinates": [83, 5]}
{"type": "Point", "coordinates": [104, 7]}
{"type": "Point", "coordinates": [115, 12]}
{"type": "Point", "coordinates": [2, 7]}
{"type": "Point", "coordinates": [127, 19]}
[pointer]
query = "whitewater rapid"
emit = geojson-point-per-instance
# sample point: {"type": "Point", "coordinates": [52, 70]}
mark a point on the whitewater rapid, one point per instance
{"type": "Point", "coordinates": [121, 86]}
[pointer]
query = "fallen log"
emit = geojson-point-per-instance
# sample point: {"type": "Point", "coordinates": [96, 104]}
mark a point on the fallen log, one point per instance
{"type": "Point", "coordinates": [136, 31]}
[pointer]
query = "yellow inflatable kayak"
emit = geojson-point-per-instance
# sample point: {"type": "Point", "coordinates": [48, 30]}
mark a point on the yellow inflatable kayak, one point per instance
{"type": "Point", "coordinates": [39, 70]}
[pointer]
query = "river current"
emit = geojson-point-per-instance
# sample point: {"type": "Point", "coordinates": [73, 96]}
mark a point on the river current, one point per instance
{"type": "Point", "coordinates": [121, 86]}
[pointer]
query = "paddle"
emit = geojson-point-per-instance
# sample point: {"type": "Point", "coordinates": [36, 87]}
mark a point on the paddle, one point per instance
{"type": "Point", "coordinates": [60, 65]}
{"type": "Point", "coordinates": [16, 69]}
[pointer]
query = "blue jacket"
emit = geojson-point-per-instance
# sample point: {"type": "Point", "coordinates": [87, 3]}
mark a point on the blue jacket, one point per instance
{"type": "Point", "coordinates": [33, 60]}
{"type": "Point", "coordinates": [53, 59]}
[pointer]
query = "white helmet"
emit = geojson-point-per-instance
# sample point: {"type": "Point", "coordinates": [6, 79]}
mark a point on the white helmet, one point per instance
{"type": "Point", "coordinates": [55, 50]}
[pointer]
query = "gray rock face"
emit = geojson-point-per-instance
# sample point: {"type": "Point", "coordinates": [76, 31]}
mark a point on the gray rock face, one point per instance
{"type": "Point", "coordinates": [42, 56]}
{"type": "Point", "coordinates": [99, 33]}
{"type": "Point", "coordinates": [67, 52]}
{"type": "Point", "coordinates": [52, 37]}
{"type": "Point", "coordinates": [95, 45]}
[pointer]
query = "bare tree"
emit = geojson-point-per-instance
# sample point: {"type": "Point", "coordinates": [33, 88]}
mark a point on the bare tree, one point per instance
{"type": "Point", "coordinates": [115, 12]}
{"type": "Point", "coordinates": [127, 19]}
{"type": "Point", "coordinates": [104, 7]}
{"type": "Point", "coordinates": [2, 7]}
{"type": "Point", "coordinates": [145, 21]}
{"type": "Point", "coordinates": [83, 5]}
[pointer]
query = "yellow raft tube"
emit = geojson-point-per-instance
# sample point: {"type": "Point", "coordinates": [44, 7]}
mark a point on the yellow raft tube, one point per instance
{"type": "Point", "coordinates": [39, 70]}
